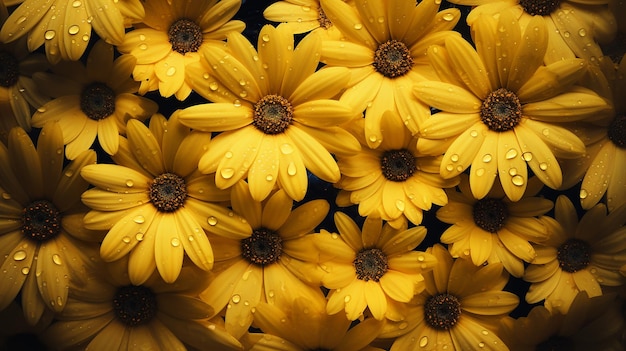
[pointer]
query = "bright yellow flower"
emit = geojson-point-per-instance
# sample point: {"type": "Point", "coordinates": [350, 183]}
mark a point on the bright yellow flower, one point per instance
{"type": "Point", "coordinates": [276, 114]}
{"type": "Point", "coordinates": [112, 313]}
{"type": "Point", "coordinates": [460, 309]}
{"type": "Point", "coordinates": [92, 101]}
{"type": "Point", "coordinates": [384, 48]}
{"type": "Point", "coordinates": [393, 181]}
{"type": "Point", "coordinates": [64, 26]}
{"type": "Point", "coordinates": [578, 256]}
{"type": "Point", "coordinates": [273, 264]}
{"type": "Point", "coordinates": [373, 268]}
{"type": "Point", "coordinates": [171, 36]}
{"type": "Point", "coordinates": [494, 229]}
{"type": "Point", "coordinates": [502, 108]}
{"type": "Point", "coordinates": [41, 221]}
{"type": "Point", "coordinates": [155, 204]}
{"type": "Point", "coordinates": [302, 16]}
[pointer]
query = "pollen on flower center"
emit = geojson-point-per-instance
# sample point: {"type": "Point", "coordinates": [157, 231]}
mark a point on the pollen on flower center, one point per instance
{"type": "Point", "coordinates": [573, 255]}
{"type": "Point", "coordinates": [134, 305]}
{"type": "Point", "coordinates": [397, 165]}
{"type": "Point", "coordinates": [442, 311]}
{"type": "Point", "coordinates": [539, 7]}
{"type": "Point", "coordinates": [501, 110]}
{"type": "Point", "coordinates": [97, 101]}
{"type": "Point", "coordinates": [9, 69]}
{"type": "Point", "coordinates": [370, 264]}
{"type": "Point", "coordinates": [185, 36]}
{"type": "Point", "coordinates": [556, 343]}
{"type": "Point", "coordinates": [490, 214]}
{"type": "Point", "coordinates": [168, 192]}
{"type": "Point", "coordinates": [393, 59]}
{"type": "Point", "coordinates": [323, 20]}
{"type": "Point", "coordinates": [272, 114]}
{"type": "Point", "coordinates": [617, 131]}
{"type": "Point", "coordinates": [41, 220]}
{"type": "Point", "coordinates": [263, 247]}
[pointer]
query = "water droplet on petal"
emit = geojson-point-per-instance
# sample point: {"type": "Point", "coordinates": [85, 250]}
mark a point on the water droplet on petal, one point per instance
{"type": "Point", "coordinates": [139, 219]}
{"type": "Point", "coordinates": [583, 194]}
{"type": "Point", "coordinates": [358, 26]}
{"type": "Point", "coordinates": [487, 158]}
{"type": "Point", "coordinates": [265, 38]}
{"type": "Point", "coordinates": [19, 255]}
{"type": "Point", "coordinates": [56, 259]}
{"type": "Point", "coordinates": [73, 29]}
{"type": "Point", "coordinates": [227, 173]}
{"type": "Point", "coordinates": [517, 180]}
{"type": "Point", "coordinates": [347, 298]}
{"type": "Point", "coordinates": [25, 270]}
{"type": "Point", "coordinates": [129, 183]}
{"type": "Point", "coordinates": [454, 158]}
{"type": "Point", "coordinates": [510, 154]}
{"type": "Point", "coordinates": [291, 169]}
{"type": "Point", "coordinates": [170, 71]}
{"type": "Point", "coordinates": [286, 149]}
{"type": "Point", "coordinates": [543, 166]}
{"type": "Point", "coordinates": [527, 156]}
{"type": "Point", "coordinates": [236, 298]}
{"type": "Point", "coordinates": [448, 17]}
{"type": "Point", "coordinates": [212, 221]}
{"type": "Point", "coordinates": [175, 242]}
{"type": "Point", "coordinates": [49, 34]}
{"type": "Point", "coordinates": [423, 341]}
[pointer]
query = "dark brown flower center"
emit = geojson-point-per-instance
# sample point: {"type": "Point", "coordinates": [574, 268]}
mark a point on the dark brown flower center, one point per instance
{"type": "Point", "coordinates": [556, 343]}
{"type": "Point", "coordinates": [442, 311]}
{"type": "Point", "coordinates": [617, 131]}
{"type": "Point", "coordinates": [134, 305]}
{"type": "Point", "coordinates": [9, 69]}
{"type": "Point", "coordinates": [573, 255]}
{"type": "Point", "coordinates": [41, 220]}
{"type": "Point", "coordinates": [323, 20]}
{"type": "Point", "coordinates": [490, 214]}
{"type": "Point", "coordinates": [370, 264]}
{"type": "Point", "coordinates": [97, 101]}
{"type": "Point", "coordinates": [501, 110]}
{"type": "Point", "coordinates": [393, 59]}
{"type": "Point", "coordinates": [539, 7]}
{"type": "Point", "coordinates": [398, 165]}
{"type": "Point", "coordinates": [263, 247]}
{"type": "Point", "coordinates": [168, 192]}
{"type": "Point", "coordinates": [272, 114]}
{"type": "Point", "coordinates": [185, 36]}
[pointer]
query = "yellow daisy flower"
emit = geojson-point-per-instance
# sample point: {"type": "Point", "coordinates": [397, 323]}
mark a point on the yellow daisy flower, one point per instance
{"type": "Point", "coordinates": [273, 264]}
{"type": "Point", "coordinates": [64, 26]}
{"type": "Point", "coordinates": [302, 16]}
{"type": "Point", "coordinates": [112, 313]}
{"type": "Point", "coordinates": [278, 119]}
{"type": "Point", "coordinates": [494, 229]}
{"type": "Point", "coordinates": [502, 115]}
{"type": "Point", "coordinates": [41, 221]}
{"type": "Point", "coordinates": [91, 101]}
{"type": "Point", "coordinates": [155, 204]}
{"type": "Point", "coordinates": [393, 181]}
{"type": "Point", "coordinates": [590, 324]}
{"type": "Point", "coordinates": [384, 48]}
{"type": "Point", "coordinates": [171, 36]}
{"type": "Point", "coordinates": [460, 309]}
{"type": "Point", "coordinates": [301, 327]}
{"type": "Point", "coordinates": [373, 268]}
{"type": "Point", "coordinates": [578, 256]}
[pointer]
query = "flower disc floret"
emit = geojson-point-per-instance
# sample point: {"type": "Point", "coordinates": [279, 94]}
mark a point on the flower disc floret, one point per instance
{"type": "Point", "coordinates": [97, 101]}
{"type": "Point", "coordinates": [490, 214]}
{"type": "Point", "coordinates": [442, 311]}
{"type": "Point", "coordinates": [168, 192]}
{"type": "Point", "coordinates": [574, 255]}
{"type": "Point", "coordinates": [501, 110]}
{"type": "Point", "coordinates": [185, 36]}
{"type": "Point", "coordinates": [393, 59]}
{"type": "Point", "coordinates": [323, 20]}
{"type": "Point", "coordinates": [370, 264]}
{"type": "Point", "coordinates": [41, 220]}
{"type": "Point", "coordinates": [398, 165]}
{"type": "Point", "coordinates": [272, 114]}
{"type": "Point", "coordinates": [9, 69]}
{"type": "Point", "coordinates": [134, 305]}
{"type": "Point", "coordinates": [539, 7]}
{"type": "Point", "coordinates": [617, 131]}
{"type": "Point", "coordinates": [263, 247]}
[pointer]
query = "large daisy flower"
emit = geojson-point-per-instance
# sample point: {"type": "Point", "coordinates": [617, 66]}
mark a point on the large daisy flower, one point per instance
{"type": "Point", "coordinates": [41, 221]}
{"type": "Point", "coordinates": [460, 309]}
{"type": "Point", "coordinates": [91, 101]}
{"type": "Point", "coordinates": [273, 264]}
{"type": "Point", "coordinates": [277, 117]}
{"type": "Point", "coordinates": [393, 181]}
{"type": "Point", "coordinates": [64, 26]}
{"type": "Point", "coordinates": [578, 256]}
{"type": "Point", "coordinates": [302, 16]}
{"type": "Point", "coordinates": [112, 313]}
{"type": "Point", "coordinates": [384, 48]}
{"type": "Point", "coordinates": [374, 268]}
{"type": "Point", "coordinates": [155, 204]}
{"type": "Point", "coordinates": [494, 229]}
{"type": "Point", "coordinates": [170, 37]}
{"type": "Point", "coordinates": [502, 108]}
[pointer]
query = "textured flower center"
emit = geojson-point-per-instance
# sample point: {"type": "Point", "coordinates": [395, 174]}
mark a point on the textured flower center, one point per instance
{"type": "Point", "coordinates": [41, 220]}
{"type": "Point", "coordinates": [185, 36]}
{"type": "Point", "coordinates": [539, 7]}
{"type": "Point", "coordinates": [501, 110]}
{"type": "Point", "coordinates": [556, 343]}
{"type": "Point", "coordinates": [168, 192]}
{"type": "Point", "coordinates": [272, 114]}
{"type": "Point", "coordinates": [573, 255]}
{"type": "Point", "coordinates": [617, 131]}
{"type": "Point", "coordinates": [97, 101]}
{"type": "Point", "coordinates": [263, 247]}
{"type": "Point", "coordinates": [490, 214]}
{"type": "Point", "coordinates": [323, 20]}
{"type": "Point", "coordinates": [397, 165]}
{"type": "Point", "coordinates": [393, 59]}
{"type": "Point", "coordinates": [370, 264]}
{"type": "Point", "coordinates": [134, 305]}
{"type": "Point", "coordinates": [9, 69]}
{"type": "Point", "coordinates": [442, 311]}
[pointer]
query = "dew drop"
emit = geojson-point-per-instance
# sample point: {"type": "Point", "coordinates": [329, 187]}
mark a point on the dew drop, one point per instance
{"type": "Point", "coordinates": [480, 172]}
{"type": "Point", "coordinates": [139, 219]}
{"type": "Point", "coordinates": [512, 171]}
{"type": "Point", "coordinates": [236, 298]}
{"type": "Point", "coordinates": [212, 221]}
{"type": "Point", "coordinates": [175, 242]}
{"type": "Point", "coordinates": [481, 344]}
{"type": "Point", "coordinates": [139, 236]}
{"type": "Point", "coordinates": [213, 85]}
{"type": "Point", "coordinates": [227, 173]}
{"type": "Point", "coordinates": [286, 149]}
{"type": "Point", "coordinates": [291, 169]}
{"type": "Point", "coordinates": [473, 134]}
{"type": "Point", "coordinates": [358, 26]}
{"type": "Point", "coordinates": [129, 183]}
{"type": "Point", "coordinates": [373, 138]}
{"type": "Point", "coordinates": [517, 180]}
{"type": "Point", "coordinates": [76, 3]}
{"type": "Point", "coordinates": [582, 32]}
{"type": "Point", "coordinates": [448, 17]}
{"type": "Point", "coordinates": [487, 158]}
{"type": "Point", "coordinates": [25, 270]}
{"type": "Point", "coordinates": [143, 46]}
{"type": "Point", "coordinates": [400, 205]}
{"type": "Point", "coordinates": [423, 341]}
{"type": "Point", "coordinates": [449, 168]}
{"type": "Point", "coordinates": [19, 255]}
{"type": "Point", "coordinates": [237, 103]}
{"type": "Point", "coordinates": [73, 29]}
{"type": "Point", "coordinates": [454, 158]}
{"type": "Point", "coordinates": [85, 37]}
{"type": "Point", "coordinates": [583, 194]}
{"type": "Point", "coordinates": [545, 131]}
{"type": "Point", "coordinates": [484, 332]}
{"type": "Point", "coordinates": [69, 173]}
{"type": "Point", "coordinates": [420, 258]}
{"type": "Point", "coordinates": [170, 71]}
{"type": "Point", "coordinates": [347, 298]}
{"type": "Point", "coordinates": [21, 20]}
{"type": "Point", "coordinates": [527, 156]}
{"type": "Point", "coordinates": [269, 177]}
{"type": "Point", "coordinates": [510, 154]}
{"type": "Point", "coordinates": [543, 166]}
{"type": "Point", "coordinates": [56, 259]}
{"type": "Point", "coordinates": [126, 239]}
{"type": "Point", "coordinates": [49, 34]}
{"type": "Point", "coordinates": [265, 38]}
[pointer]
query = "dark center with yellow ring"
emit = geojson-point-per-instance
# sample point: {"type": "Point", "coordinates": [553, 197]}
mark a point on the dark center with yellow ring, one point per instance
{"type": "Point", "coordinates": [539, 7]}
{"type": "Point", "coordinates": [370, 264]}
{"type": "Point", "coordinates": [263, 247]}
{"type": "Point", "coordinates": [97, 101]}
{"type": "Point", "coordinates": [398, 165]}
{"type": "Point", "coordinates": [490, 214]}
{"type": "Point", "coordinates": [442, 311]}
{"type": "Point", "coordinates": [185, 36]}
{"type": "Point", "coordinates": [134, 305]}
{"type": "Point", "coordinates": [501, 110]}
{"type": "Point", "coordinates": [272, 114]}
{"type": "Point", "coordinates": [168, 192]}
{"type": "Point", "coordinates": [393, 59]}
{"type": "Point", "coordinates": [41, 220]}
{"type": "Point", "coordinates": [9, 69]}
{"type": "Point", "coordinates": [323, 20]}
{"type": "Point", "coordinates": [573, 255]}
